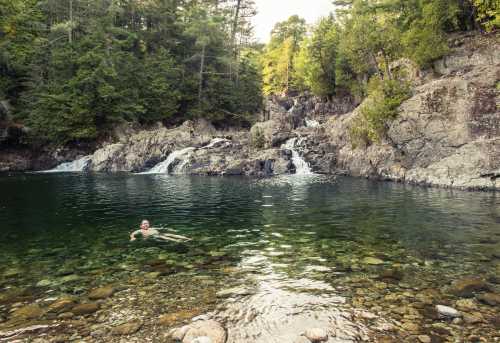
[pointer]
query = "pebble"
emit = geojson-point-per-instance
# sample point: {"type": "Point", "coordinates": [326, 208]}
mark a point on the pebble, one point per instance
{"type": "Point", "coordinates": [127, 328]}
{"type": "Point", "coordinates": [424, 339]}
{"type": "Point", "coordinates": [373, 261]}
{"type": "Point", "coordinates": [446, 311]}
{"type": "Point", "coordinates": [101, 293]}
{"type": "Point", "coordinates": [491, 299]}
{"type": "Point", "coordinates": [83, 309]}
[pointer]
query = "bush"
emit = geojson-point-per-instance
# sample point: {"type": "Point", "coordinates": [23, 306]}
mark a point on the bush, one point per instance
{"type": "Point", "coordinates": [258, 138]}
{"type": "Point", "coordinates": [380, 107]}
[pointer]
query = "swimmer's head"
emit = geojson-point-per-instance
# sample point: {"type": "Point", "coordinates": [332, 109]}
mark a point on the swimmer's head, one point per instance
{"type": "Point", "coordinates": [145, 224]}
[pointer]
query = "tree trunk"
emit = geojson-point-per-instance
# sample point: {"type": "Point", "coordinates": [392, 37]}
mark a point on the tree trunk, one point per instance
{"type": "Point", "coordinates": [70, 29]}
{"type": "Point", "coordinates": [202, 67]}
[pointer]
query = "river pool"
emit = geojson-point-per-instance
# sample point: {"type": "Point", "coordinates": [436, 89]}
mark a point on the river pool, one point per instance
{"type": "Point", "coordinates": [269, 258]}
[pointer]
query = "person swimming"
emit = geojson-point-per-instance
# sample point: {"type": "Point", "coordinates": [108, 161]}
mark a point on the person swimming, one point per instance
{"type": "Point", "coordinates": [146, 231]}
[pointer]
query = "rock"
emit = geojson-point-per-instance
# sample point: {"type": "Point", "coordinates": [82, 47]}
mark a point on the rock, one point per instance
{"type": "Point", "coordinates": [372, 261]}
{"type": "Point", "coordinates": [466, 304]}
{"type": "Point", "coordinates": [43, 283]}
{"type": "Point", "coordinates": [393, 274]}
{"type": "Point", "coordinates": [467, 287]}
{"type": "Point", "coordinates": [127, 328]}
{"type": "Point", "coordinates": [447, 312]}
{"type": "Point", "coordinates": [410, 327]}
{"type": "Point", "coordinates": [28, 312]}
{"type": "Point", "coordinates": [101, 293]}
{"type": "Point", "coordinates": [473, 318]}
{"type": "Point", "coordinates": [61, 305]}
{"type": "Point", "coordinates": [316, 335]}
{"type": "Point", "coordinates": [205, 328]}
{"type": "Point", "coordinates": [66, 315]}
{"type": "Point", "coordinates": [84, 309]}
{"type": "Point", "coordinates": [491, 299]}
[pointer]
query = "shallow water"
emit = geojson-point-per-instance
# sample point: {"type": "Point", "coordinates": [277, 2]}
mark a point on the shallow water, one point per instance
{"type": "Point", "coordinates": [269, 257]}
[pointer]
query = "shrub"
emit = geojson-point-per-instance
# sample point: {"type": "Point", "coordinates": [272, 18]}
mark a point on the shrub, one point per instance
{"type": "Point", "coordinates": [380, 107]}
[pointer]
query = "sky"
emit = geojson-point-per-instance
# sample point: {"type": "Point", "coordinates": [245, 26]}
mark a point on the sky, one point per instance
{"type": "Point", "coordinates": [271, 12]}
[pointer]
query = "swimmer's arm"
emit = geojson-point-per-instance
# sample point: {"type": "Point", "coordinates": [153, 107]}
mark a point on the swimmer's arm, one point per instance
{"type": "Point", "coordinates": [132, 235]}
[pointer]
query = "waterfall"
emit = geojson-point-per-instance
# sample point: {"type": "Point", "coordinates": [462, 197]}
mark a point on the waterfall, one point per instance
{"type": "Point", "coordinates": [79, 165]}
{"type": "Point", "coordinates": [301, 166]}
{"type": "Point", "coordinates": [167, 167]}
{"type": "Point", "coordinates": [164, 167]}
{"type": "Point", "coordinates": [312, 123]}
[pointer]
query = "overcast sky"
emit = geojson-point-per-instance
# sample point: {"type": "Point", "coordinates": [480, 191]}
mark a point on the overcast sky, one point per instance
{"type": "Point", "coordinates": [273, 11]}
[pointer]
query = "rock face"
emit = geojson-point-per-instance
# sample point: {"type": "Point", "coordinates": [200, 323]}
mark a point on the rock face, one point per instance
{"type": "Point", "coordinates": [447, 134]}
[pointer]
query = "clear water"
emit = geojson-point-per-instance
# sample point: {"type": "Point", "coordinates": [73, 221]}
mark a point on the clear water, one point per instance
{"type": "Point", "coordinates": [292, 248]}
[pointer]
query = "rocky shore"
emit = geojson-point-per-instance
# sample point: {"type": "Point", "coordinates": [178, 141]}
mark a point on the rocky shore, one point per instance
{"type": "Point", "coordinates": [447, 134]}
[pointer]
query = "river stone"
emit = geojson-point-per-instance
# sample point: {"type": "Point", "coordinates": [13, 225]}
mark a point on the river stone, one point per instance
{"type": "Point", "coordinates": [491, 299]}
{"type": "Point", "coordinates": [28, 312]}
{"type": "Point", "coordinates": [447, 312]}
{"type": "Point", "coordinates": [467, 287]}
{"type": "Point", "coordinates": [61, 305]}
{"type": "Point", "coordinates": [473, 318]}
{"type": "Point", "coordinates": [316, 335]}
{"type": "Point", "coordinates": [127, 328]}
{"type": "Point", "coordinates": [101, 293]}
{"type": "Point", "coordinates": [466, 304]}
{"type": "Point", "coordinates": [43, 283]}
{"type": "Point", "coordinates": [373, 261]}
{"type": "Point", "coordinates": [84, 309]}
{"type": "Point", "coordinates": [206, 328]}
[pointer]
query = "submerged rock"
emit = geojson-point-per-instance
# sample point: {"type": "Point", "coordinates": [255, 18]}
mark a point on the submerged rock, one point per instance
{"type": "Point", "coordinates": [373, 261]}
{"type": "Point", "coordinates": [28, 312]}
{"type": "Point", "coordinates": [127, 328]}
{"type": "Point", "coordinates": [467, 287]}
{"type": "Point", "coordinates": [101, 293]}
{"type": "Point", "coordinates": [491, 299]}
{"type": "Point", "coordinates": [447, 312]}
{"type": "Point", "coordinates": [84, 309]}
{"type": "Point", "coordinates": [61, 305]}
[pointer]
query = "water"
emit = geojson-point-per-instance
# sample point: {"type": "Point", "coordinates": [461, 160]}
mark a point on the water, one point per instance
{"type": "Point", "coordinates": [177, 160]}
{"type": "Point", "coordinates": [301, 166]}
{"type": "Point", "coordinates": [167, 167]}
{"type": "Point", "coordinates": [269, 257]}
{"type": "Point", "coordinates": [76, 166]}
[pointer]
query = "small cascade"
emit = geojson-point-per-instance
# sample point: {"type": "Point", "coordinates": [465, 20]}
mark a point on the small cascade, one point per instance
{"type": "Point", "coordinates": [301, 166]}
{"type": "Point", "coordinates": [164, 167]}
{"type": "Point", "coordinates": [312, 123]}
{"type": "Point", "coordinates": [76, 166]}
{"type": "Point", "coordinates": [168, 167]}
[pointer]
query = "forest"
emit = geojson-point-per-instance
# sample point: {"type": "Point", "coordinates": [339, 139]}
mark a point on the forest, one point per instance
{"type": "Point", "coordinates": [71, 70]}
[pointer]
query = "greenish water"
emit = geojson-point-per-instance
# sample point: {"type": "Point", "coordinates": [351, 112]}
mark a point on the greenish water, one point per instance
{"type": "Point", "coordinates": [300, 238]}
